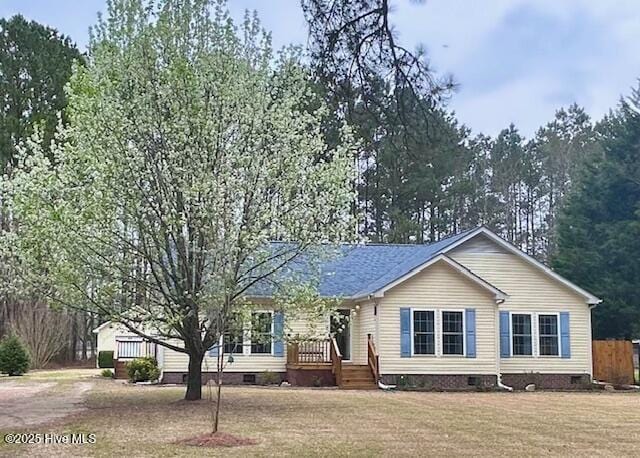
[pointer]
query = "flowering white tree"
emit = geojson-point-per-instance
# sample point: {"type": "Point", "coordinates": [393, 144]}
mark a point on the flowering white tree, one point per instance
{"type": "Point", "coordinates": [189, 147]}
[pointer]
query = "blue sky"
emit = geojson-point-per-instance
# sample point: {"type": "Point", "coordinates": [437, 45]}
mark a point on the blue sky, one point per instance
{"type": "Point", "coordinates": [515, 60]}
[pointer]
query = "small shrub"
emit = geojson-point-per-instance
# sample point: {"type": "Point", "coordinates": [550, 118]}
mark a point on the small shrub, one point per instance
{"type": "Point", "coordinates": [269, 378]}
{"type": "Point", "coordinates": [107, 373]}
{"type": "Point", "coordinates": [105, 359]}
{"type": "Point", "coordinates": [14, 359]}
{"type": "Point", "coordinates": [143, 370]}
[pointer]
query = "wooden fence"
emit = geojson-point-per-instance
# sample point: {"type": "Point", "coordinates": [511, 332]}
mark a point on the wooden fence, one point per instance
{"type": "Point", "coordinates": [613, 361]}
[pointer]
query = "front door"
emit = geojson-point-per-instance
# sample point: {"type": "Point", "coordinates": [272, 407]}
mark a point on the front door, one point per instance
{"type": "Point", "coordinates": [341, 329]}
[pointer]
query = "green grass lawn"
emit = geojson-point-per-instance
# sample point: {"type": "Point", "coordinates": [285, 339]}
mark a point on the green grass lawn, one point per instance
{"type": "Point", "coordinates": [146, 420]}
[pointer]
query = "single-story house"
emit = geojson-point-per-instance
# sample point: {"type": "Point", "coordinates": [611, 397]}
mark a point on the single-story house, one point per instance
{"type": "Point", "coordinates": [468, 310]}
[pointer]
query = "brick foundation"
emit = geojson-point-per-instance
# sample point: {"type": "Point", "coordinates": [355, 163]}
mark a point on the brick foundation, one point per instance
{"type": "Point", "coordinates": [470, 382]}
{"type": "Point", "coordinates": [548, 381]}
{"type": "Point", "coordinates": [426, 382]}
{"type": "Point", "coordinates": [120, 369]}
{"type": "Point", "coordinates": [230, 378]}
{"type": "Point", "coordinates": [467, 382]}
{"type": "Point", "coordinates": [311, 377]}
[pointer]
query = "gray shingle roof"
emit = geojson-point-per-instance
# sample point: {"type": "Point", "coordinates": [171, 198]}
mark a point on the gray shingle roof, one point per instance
{"type": "Point", "coordinates": [361, 269]}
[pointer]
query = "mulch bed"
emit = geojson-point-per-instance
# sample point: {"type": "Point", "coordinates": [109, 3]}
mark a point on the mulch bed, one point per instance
{"type": "Point", "coordinates": [217, 440]}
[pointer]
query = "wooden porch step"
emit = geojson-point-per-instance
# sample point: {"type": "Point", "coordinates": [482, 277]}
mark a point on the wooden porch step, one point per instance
{"type": "Point", "coordinates": [357, 381]}
{"type": "Point", "coordinates": [347, 374]}
{"type": "Point", "coordinates": [355, 368]}
{"type": "Point", "coordinates": [357, 377]}
{"type": "Point", "coordinates": [355, 371]}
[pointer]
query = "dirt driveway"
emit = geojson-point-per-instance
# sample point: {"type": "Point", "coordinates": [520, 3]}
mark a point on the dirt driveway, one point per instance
{"type": "Point", "coordinates": [36, 403]}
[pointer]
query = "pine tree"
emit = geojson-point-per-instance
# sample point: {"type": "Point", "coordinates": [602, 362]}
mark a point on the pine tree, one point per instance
{"type": "Point", "coordinates": [562, 147]}
{"type": "Point", "coordinates": [599, 228]}
{"type": "Point", "coordinates": [14, 359]}
{"type": "Point", "coordinates": [35, 64]}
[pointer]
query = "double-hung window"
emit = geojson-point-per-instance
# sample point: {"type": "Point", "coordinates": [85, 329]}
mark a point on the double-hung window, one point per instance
{"type": "Point", "coordinates": [521, 334]}
{"type": "Point", "coordinates": [452, 333]}
{"type": "Point", "coordinates": [424, 336]}
{"type": "Point", "coordinates": [548, 335]}
{"type": "Point", "coordinates": [233, 338]}
{"type": "Point", "coordinates": [261, 334]}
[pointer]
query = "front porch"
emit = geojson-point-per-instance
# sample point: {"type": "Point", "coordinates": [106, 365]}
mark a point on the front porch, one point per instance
{"type": "Point", "coordinates": [320, 363]}
{"type": "Point", "coordinates": [129, 348]}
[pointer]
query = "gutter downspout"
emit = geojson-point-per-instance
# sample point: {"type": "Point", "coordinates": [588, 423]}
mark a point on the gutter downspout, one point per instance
{"type": "Point", "coordinates": [497, 335]}
{"type": "Point", "coordinates": [502, 385]}
{"type": "Point", "coordinates": [384, 387]}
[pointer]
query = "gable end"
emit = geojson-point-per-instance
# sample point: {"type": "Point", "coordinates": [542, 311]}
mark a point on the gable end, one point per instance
{"type": "Point", "coordinates": [509, 248]}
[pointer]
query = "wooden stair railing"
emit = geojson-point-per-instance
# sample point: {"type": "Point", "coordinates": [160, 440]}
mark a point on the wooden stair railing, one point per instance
{"type": "Point", "coordinates": [372, 358]}
{"type": "Point", "coordinates": [293, 350]}
{"type": "Point", "coordinates": [309, 353]}
{"type": "Point", "coordinates": [336, 361]}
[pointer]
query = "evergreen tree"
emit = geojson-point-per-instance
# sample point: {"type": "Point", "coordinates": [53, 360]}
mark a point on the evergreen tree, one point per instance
{"type": "Point", "coordinates": [35, 65]}
{"type": "Point", "coordinates": [599, 228]}
{"type": "Point", "coordinates": [507, 163]}
{"type": "Point", "coordinates": [562, 147]}
{"type": "Point", "coordinates": [14, 359]}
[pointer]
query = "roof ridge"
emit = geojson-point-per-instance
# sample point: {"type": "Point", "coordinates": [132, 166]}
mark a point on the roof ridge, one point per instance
{"type": "Point", "coordinates": [356, 244]}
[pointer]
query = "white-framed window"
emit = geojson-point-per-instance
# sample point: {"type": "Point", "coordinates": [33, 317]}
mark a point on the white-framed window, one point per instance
{"type": "Point", "coordinates": [452, 332]}
{"type": "Point", "coordinates": [438, 332]}
{"type": "Point", "coordinates": [261, 332]}
{"type": "Point", "coordinates": [129, 348]}
{"type": "Point", "coordinates": [234, 339]}
{"type": "Point", "coordinates": [424, 332]}
{"type": "Point", "coordinates": [521, 334]}
{"type": "Point", "coordinates": [548, 334]}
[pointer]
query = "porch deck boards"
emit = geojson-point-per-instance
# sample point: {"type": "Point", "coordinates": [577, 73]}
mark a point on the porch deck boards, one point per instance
{"type": "Point", "coordinates": [309, 366]}
{"type": "Point", "coordinates": [321, 356]}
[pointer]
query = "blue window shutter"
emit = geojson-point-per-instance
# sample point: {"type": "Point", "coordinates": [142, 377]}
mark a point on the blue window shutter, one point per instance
{"type": "Point", "coordinates": [278, 331]}
{"type": "Point", "coordinates": [565, 338]}
{"type": "Point", "coordinates": [405, 332]}
{"type": "Point", "coordinates": [505, 335]}
{"type": "Point", "coordinates": [470, 318]}
{"type": "Point", "coordinates": [214, 351]}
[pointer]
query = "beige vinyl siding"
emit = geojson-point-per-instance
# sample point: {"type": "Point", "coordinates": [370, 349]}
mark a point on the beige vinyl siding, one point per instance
{"type": "Point", "coordinates": [532, 290]}
{"type": "Point", "coordinates": [178, 362]}
{"type": "Point", "coordinates": [439, 287]}
{"type": "Point", "coordinates": [356, 341]}
{"type": "Point", "coordinates": [107, 338]}
{"type": "Point", "coordinates": [362, 323]}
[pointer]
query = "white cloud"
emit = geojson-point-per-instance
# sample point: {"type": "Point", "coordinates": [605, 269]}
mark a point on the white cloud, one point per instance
{"type": "Point", "coordinates": [523, 102]}
{"type": "Point", "coordinates": [520, 60]}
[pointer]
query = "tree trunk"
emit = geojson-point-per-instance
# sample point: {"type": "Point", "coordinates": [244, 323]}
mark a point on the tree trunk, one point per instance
{"type": "Point", "coordinates": [194, 378]}
{"type": "Point", "coordinates": [92, 325]}
{"type": "Point", "coordinates": [74, 336]}
{"type": "Point", "coordinates": [85, 335]}
{"type": "Point", "coordinates": [216, 409]}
